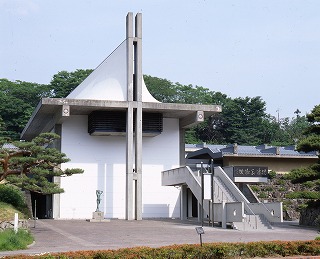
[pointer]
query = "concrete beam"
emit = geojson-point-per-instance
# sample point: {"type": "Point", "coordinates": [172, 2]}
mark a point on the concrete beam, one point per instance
{"type": "Point", "coordinates": [192, 119]}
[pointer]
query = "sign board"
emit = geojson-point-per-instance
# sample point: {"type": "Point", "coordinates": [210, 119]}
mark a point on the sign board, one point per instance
{"type": "Point", "coordinates": [250, 171]}
{"type": "Point", "coordinates": [199, 230]}
{"type": "Point", "coordinates": [207, 178]}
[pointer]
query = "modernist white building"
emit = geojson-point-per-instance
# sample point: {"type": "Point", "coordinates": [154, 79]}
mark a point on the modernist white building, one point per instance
{"type": "Point", "coordinates": [112, 128]}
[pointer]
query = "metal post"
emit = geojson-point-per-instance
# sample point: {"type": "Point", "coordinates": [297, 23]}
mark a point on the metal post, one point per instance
{"type": "Point", "coordinates": [35, 213]}
{"type": "Point", "coordinates": [209, 222]}
{"type": "Point", "coordinates": [202, 194]}
{"type": "Point", "coordinates": [212, 191]}
{"type": "Point", "coordinates": [200, 231]}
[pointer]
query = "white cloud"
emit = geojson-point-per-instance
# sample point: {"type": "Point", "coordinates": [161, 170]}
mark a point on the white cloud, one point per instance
{"type": "Point", "coordinates": [19, 7]}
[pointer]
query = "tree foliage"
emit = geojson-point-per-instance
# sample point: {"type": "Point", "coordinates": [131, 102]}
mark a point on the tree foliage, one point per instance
{"type": "Point", "coordinates": [311, 142]}
{"type": "Point", "coordinates": [284, 132]}
{"type": "Point", "coordinates": [18, 100]}
{"type": "Point", "coordinates": [64, 82]}
{"type": "Point", "coordinates": [242, 121]}
{"type": "Point", "coordinates": [32, 165]}
{"type": "Point", "coordinates": [167, 92]}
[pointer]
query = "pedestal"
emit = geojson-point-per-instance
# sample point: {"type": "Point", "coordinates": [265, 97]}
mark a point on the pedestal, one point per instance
{"type": "Point", "coordinates": [98, 216]}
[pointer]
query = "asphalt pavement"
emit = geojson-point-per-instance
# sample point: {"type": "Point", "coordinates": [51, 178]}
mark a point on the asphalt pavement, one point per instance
{"type": "Point", "coordinates": [73, 235]}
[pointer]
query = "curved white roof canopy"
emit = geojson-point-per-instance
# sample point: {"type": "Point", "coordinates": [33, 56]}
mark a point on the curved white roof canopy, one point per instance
{"type": "Point", "coordinates": [109, 80]}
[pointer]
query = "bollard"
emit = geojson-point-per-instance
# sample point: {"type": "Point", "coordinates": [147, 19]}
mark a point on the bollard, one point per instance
{"type": "Point", "coordinates": [16, 222]}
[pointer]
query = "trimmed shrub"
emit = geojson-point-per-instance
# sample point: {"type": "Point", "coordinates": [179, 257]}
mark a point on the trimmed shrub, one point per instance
{"type": "Point", "coordinates": [12, 195]}
{"type": "Point", "coordinates": [272, 174]}
{"type": "Point", "coordinates": [208, 250]}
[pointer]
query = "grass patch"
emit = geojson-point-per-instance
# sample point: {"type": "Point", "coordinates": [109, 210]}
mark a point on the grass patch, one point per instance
{"type": "Point", "coordinates": [7, 212]}
{"type": "Point", "coordinates": [9, 240]}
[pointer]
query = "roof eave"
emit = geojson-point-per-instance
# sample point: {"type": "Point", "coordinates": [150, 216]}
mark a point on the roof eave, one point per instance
{"type": "Point", "coordinates": [51, 111]}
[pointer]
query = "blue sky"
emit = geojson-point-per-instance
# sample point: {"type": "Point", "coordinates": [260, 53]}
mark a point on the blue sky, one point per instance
{"type": "Point", "coordinates": [266, 48]}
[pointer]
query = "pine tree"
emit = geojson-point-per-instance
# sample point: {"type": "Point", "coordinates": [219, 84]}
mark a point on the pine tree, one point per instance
{"type": "Point", "coordinates": [31, 165]}
{"type": "Point", "coordinates": [310, 176]}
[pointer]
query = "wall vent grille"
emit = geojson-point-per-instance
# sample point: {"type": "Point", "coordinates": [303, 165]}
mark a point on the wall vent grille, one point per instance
{"type": "Point", "coordinates": [104, 123]}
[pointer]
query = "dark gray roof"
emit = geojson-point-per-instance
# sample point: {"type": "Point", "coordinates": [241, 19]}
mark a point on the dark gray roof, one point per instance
{"type": "Point", "coordinates": [216, 151]}
{"type": "Point", "coordinates": [9, 146]}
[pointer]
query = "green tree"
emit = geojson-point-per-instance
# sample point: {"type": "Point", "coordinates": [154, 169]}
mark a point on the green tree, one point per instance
{"type": "Point", "coordinates": [167, 92]}
{"type": "Point", "coordinates": [2, 127]}
{"type": "Point", "coordinates": [161, 89]}
{"type": "Point", "coordinates": [212, 129]}
{"type": "Point", "coordinates": [309, 176]}
{"type": "Point", "coordinates": [18, 100]}
{"type": "Point", "coordinates": [283, 132]}
{"type": "Point", "coordinates": [32, 165]}
{"type": "Point", "coordinates": [297, 127]}
{"type": "Point", "coordinates": [243, 119]}
{"type": "Point", "coordinates": [193, 94]}
{"type": "Point", "coordinates": [64, 82]}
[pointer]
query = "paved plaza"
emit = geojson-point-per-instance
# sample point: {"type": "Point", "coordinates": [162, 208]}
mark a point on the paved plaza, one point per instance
{"type": "Point", "coordinates": [72, 235]}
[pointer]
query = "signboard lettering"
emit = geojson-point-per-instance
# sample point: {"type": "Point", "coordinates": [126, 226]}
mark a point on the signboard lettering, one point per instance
{"type": "Point", "coordinates": [250, 171]}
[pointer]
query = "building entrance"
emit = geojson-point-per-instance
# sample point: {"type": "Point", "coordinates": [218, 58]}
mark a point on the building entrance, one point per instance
{"type": "Point", "coordinates": [41, 205]}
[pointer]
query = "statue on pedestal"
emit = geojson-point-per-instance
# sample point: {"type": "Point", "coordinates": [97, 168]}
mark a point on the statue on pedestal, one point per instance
{"type": "Point", "coordinates": [98, 193]}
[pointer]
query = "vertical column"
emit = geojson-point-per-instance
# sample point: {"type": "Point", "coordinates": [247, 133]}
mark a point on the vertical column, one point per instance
{"type": "Point", "coordinates": [57, 180]}
{"type": "Point", "coordinates": [182, 148]}
{"type": "Point", "coordinates": [183, 202]}
{"type": "Point", "coordinates": [129, 36]}
{"type": "Point", "coordinates": [182, 161]}
{"type": "Point", "coordinates": [224, 215]}
{"type": "Point", "coordinates": [129, 123]}
{"type": "Point", "coordinates": [134, 92]}
{"type": "Point", "coordinates": [138, 125]}
{"type": "Point", "coordinates": [129, 164]}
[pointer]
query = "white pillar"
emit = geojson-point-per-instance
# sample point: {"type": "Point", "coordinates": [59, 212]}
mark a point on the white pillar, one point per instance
{"type": "Point", "coordinates": [183, 202]}
{"type": "Point", "coordinates": [224, 215]}
{"type": "Point", "coordinates": [129, 124]}
{"type": "Point", "coordinates": [134, 92]}
{"type": "Point", "coordinates": [16, 223]}
{"type": "Point", "coordinates": [138, 99]}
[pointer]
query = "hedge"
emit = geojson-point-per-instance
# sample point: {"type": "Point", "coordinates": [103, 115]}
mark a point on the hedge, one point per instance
{"type": "Point", "coordinates": [208, 250]}
{"type": "Point", "coordinates": [12, 195]}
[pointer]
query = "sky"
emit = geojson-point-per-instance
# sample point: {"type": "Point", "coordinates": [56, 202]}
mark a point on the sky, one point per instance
{"type": "Point", "coordinates": [266, 48]}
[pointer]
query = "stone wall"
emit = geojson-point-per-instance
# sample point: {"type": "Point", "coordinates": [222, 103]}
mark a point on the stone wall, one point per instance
{"type": "Point", "coordinates": [276, 190]}
{"type": "Point", "coordinates": [10, 224]}
{"type": "Point", "coordinates": [309, 215]}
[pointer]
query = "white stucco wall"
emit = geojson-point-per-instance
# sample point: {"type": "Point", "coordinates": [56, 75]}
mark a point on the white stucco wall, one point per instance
{"type": "Point", "coordinates": [103, 160]}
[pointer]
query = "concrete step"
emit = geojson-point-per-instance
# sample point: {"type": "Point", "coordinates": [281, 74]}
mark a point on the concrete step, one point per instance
{"type": "Point", "coordinates": [253, 222]}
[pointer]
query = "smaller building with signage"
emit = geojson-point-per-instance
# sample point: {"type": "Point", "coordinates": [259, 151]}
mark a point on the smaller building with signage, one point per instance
{"type": "Point", "coordinates": [215, 182]}
{"type": "Point", "coordinates": [278, 159]}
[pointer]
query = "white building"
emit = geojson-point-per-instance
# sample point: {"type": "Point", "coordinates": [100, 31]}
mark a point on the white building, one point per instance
{"type": "Point", "coordinates": [112, 128]}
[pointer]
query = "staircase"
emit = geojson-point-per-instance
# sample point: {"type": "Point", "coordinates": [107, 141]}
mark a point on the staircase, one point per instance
{"type": "Point", "coordinates": [253, 222]}
{"type": "Point", "coordinates": [254, 216]}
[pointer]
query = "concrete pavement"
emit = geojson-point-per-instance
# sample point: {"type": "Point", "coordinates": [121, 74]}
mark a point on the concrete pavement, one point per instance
{"type": "Point", "coordinates": [72, 235]}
